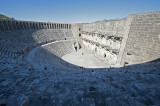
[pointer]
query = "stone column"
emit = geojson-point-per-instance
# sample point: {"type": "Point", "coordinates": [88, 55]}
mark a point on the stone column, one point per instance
{"type": "Point", "coordinates": [55, 26]}
{"type": "Point", "coordinates": [39, 25]}
{"type": "Point", "coordinates": [2, 26]}
{"type": "Point", "coordinates": [43, 25]}
{"type": "Point", "coordinates": [22, 25]}
{"type": "Point", "coordinates": [9, 25]}
{"type": "Point", "coordinates": [36, 26]}
{"type": "Point", "coordinates": [14, 25]}
{"type": "Point", "coordinates": [69, 26]}
{"type": "Point", "coordinates": [28, 24]}
{"type": "Point", "coordinates": [51, 26]}
{"type": "Point", "coordinates": [33, 25]}
{"type": "Point", "coordinates": [48, 25]}
{"type": "Point", "coordinates": [5, 25]}
{"type": "Point", "coordinates": [18, 25]}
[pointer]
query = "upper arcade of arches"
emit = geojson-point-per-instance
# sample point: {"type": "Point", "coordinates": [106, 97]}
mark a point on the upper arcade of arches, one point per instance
{"type": "Point", "coordinates": [17, 25]}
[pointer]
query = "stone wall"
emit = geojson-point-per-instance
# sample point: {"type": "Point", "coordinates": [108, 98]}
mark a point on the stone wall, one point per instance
{"type": "Point", "coordinates": [143, 43]}
{"type": "Point", "coordinates": [141, 36]}
{"type": "Point", "coordinates": [17, 25]}
{"type": "Point", "coordinates": [110, 27]}
{"type": "Point", "coordinates": [103, 46]}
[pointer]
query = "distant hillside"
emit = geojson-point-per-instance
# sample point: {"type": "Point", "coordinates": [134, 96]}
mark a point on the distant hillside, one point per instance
{"type": "Point", "coordinates": [5, 17]}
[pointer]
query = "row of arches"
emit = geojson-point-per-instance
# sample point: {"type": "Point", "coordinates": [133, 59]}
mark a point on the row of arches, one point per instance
{"type": "Point", "coordinates": [16, 25]}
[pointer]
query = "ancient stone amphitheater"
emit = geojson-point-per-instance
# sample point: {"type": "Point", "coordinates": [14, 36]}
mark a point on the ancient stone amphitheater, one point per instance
{"type": "Point", "coordinates": [113, 62]}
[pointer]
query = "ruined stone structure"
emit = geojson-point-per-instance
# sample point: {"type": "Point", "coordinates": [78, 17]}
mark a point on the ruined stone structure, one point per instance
{"type": "Point", "coordinates": [140, 37]}
{"type": "Point", "coordinates": [143, 43]}
{"type": "Point", "coordinates": [34, 71]}
{"type": "Point", "coordinates": [104, 46]}
{"type": "Point", "coordinates": [132, 40]}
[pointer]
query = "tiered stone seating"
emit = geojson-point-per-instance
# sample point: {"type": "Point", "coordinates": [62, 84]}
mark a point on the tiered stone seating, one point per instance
{"type": "Point", "coordinates": [52, 53]}
{"type": "Point", "coordinates": [18, 41]}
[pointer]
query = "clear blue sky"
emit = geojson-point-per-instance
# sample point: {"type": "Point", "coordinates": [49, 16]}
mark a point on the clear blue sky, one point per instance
{"type": "Point", "coordinates": [72, 11]}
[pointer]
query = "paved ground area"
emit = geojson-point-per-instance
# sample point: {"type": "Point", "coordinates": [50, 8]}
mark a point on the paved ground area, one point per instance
{"type": "Point", "coordinates": [23, 85]}
{"type": "Point", "coordinates": [83, 58]}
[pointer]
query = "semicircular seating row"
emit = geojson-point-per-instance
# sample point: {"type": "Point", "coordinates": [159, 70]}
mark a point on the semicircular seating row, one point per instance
{"type": "Point", "coordinates": [51, 54]}
{"type": "Point", "coordinates": [14, 43]}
